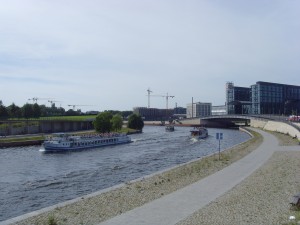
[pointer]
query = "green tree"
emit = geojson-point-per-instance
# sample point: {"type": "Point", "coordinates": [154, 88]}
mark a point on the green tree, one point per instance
{"type": "Point", "coordinates": [135, 122]}
{"type": "Point", "coordinates": [3, 111]}
{"type": "Point", "coordinates": [117, 122]}
{"type": "Point", "coordinates": [14, 111]}
{"type": "Point", "coordinates": [27, 111]}
{"type": "Point", "coordinates": [36, 110]}
{"type": "Point", "coordinates": [102, 123]}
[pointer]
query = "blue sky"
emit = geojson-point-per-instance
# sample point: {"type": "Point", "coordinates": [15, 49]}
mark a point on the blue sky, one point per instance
{"type": "Point", "coordinates": [106, 54]}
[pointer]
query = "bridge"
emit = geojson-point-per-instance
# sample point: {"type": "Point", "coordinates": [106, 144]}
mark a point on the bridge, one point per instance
{"type": "Point", "coordinates": [228, 121]}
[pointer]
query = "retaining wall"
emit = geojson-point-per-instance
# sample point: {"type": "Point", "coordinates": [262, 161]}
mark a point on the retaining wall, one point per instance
{"type": "Point", "coordinates": [280, 127]}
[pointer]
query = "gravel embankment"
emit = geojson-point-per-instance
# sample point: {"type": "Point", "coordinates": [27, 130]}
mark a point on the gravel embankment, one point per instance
{"type": "Point", "coordinates": [263, 198]}
{"type": "Point", "coordinates": [265, 185]}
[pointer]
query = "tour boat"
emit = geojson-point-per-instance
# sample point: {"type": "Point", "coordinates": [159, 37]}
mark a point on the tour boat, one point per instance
{"type": "Point", "coordinates": [63, 142]}
{"type": "Point", "coordinates": [199, 132]}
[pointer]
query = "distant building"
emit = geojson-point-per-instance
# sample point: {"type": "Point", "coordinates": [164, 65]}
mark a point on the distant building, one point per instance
{"type": "Point", "coordinates": [263, 98]}
{"type": "Point", "coordinates": [219, 110]}
{"type": "Point", "coordinates": [198, 109]}
{"type": "Point", "coordinates": [153, 113]}
{"type": "Point", "coordinates": [179, 113]}
{"type": "Point", "coordinates": [92, 112]}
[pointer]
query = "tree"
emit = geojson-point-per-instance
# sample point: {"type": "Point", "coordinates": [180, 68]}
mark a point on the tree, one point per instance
{"type": "Point", "coordinates": [117, 122]}
{"type": "Point", "coordinates": [36, 110]}
{"type": "Point", "coordinates": [102, 122]}
{"type": "Point", "coordinates": [14, 111]}
{"type": "Point", "coordinates": [27, 111]}
{"type": "Point", "coordinates": [135, 122]}
{"type": "Point", "coordinates": [3, 111]}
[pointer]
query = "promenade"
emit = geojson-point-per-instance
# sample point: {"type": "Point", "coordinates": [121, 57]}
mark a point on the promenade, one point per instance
{"type": "Point", "coordinates": [177, 206]}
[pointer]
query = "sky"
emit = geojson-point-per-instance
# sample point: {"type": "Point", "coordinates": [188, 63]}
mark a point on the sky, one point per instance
{"type": "Point", "coordinates": [104, 55]}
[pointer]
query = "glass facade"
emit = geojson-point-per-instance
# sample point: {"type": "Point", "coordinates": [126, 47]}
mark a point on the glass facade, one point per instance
{"type": "Point", "coordinates": [267, 98]}
{"type": "Point", "coordinates": [264, 98]}
{"type": "Point", "coordinates": [237, 99]}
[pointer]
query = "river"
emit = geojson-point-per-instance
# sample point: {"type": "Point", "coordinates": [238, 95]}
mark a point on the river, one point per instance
{"type": "Point", "coordinates": [31, 180]}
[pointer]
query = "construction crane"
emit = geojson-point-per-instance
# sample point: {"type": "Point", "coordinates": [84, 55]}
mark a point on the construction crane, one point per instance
{"type": "Point", "coordinates": [149, 91]}
{"type": "Point", "coordinates": [77, 105]}
{"type": "Point", "coordinates": [51, 102]}
{"type": "Point", "coordinates": [35, 99]}
{"type": "Point", "coordinates": [165, 96]}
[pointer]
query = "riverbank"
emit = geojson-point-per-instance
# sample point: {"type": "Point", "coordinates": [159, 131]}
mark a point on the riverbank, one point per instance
{"type": "Point", "coordinates": [106, 205]}
{"type": "Point", "coordinates": [262, 198]}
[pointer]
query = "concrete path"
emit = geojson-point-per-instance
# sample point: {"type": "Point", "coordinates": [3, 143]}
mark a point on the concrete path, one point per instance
{"type": "Point", "coordinates": [178, 205]}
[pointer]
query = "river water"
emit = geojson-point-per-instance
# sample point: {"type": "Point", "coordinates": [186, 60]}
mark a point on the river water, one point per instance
{"type": "Point", "coordinates": [31, 180]}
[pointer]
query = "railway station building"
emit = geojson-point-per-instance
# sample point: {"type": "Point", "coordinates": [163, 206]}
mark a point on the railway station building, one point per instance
{"type": "Point", "coordinates": [263, 98]}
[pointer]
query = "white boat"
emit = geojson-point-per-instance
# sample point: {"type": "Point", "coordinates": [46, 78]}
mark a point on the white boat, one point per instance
{"type": "Point", "coordinates": [62, 142]}
{"type": "Point", "coordinates": [169, 128]}
{"type": "Point", "coordinates": [199, 132]}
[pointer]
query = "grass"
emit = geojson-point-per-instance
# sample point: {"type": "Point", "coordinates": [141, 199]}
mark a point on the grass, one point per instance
{"type": "Point", "coordinates": [18, 139]}
{"type": "Point", "coordinates": [52, 221]}
{"type": "Point", "coordinates": [296, 213]}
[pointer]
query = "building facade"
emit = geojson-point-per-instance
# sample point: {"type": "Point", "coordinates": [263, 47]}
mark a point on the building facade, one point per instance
{"type": "Point", "coordinates": [199, 109]}
{"type": "Point", "coordinates": [153, 114]}
{"type": "Point", "coordinates": [263, 98]}
{"type": "Point", "coordinates": [273, 98]}
{"type": "Point", "coordinates": [237, 99]}
{"type": "Point", "coordinates": [218, 110]}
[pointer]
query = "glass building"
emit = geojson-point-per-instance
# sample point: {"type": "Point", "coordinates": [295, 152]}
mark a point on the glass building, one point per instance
{"type": "Point", "coordinates": [273, 98]}
{"type": "Point", "coordinates": [263, 98]}
{"type": "Point", "coordinates": [237, 99]}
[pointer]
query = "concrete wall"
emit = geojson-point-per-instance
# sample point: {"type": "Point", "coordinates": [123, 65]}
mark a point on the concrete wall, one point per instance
{"type": "Point", "coordinates": [258, 123]}
{"type": "Point", "coordinates": [280, 127]}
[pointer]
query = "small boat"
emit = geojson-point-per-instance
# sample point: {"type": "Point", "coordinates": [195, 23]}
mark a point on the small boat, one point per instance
{"type": "Point", "coordinates": [170, 128]}
{"type": "Point", "coordinates": [62, 142]}
{"type": "Point", "coordinates": [199, 132]}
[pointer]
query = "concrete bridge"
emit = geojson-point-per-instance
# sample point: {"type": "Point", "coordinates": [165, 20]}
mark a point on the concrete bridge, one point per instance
{"type": "Point", "coordinates": [227, 121]}
{"type": "Point", "coordinates": [267, 122]}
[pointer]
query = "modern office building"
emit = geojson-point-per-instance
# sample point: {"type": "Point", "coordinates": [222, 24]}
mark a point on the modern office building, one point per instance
{"type": "Point", "coordinates": [273, 98]}
{"type": "Point", "coordinates": [198, 109]}
{"type": "Point", "coordinates": [237, 99]}
{"type": "Point", "coordinates": [263, 98]}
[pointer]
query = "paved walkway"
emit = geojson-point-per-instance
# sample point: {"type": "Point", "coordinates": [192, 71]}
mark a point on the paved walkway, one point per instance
{"type": "Point", "coordinates": [178, 205]}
